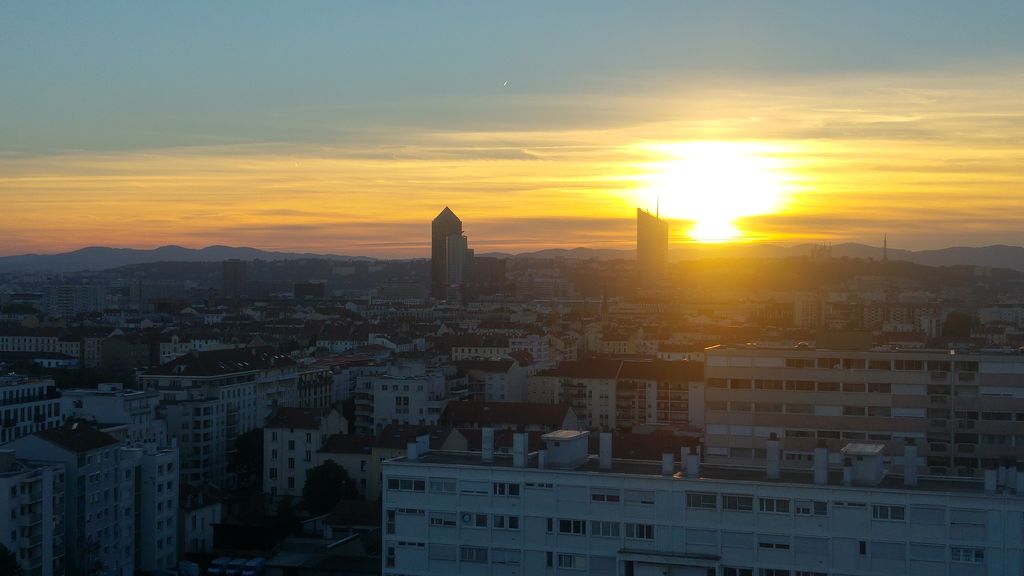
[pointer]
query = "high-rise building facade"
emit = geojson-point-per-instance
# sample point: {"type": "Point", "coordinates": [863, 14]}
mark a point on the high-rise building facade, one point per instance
{"type": "Point", "coordinates": [444, 226]}
{"type": "Point", "coordinates": [234, 272]}
{"type": "Point", "coordinates": [651, 247]}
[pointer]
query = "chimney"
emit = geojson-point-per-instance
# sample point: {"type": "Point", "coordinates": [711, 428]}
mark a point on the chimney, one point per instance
{"type": "Point", "coordinates": [542, 458]}
{"type": "Point", "coordinates": [424, 443]}
{"type": "Point", "coordinates": [668, 464]}
{"type": "Point", "coordinates": [693, 463]}
{"type": "Point", "coordinates": [773, 454]}
{"type": "Point", "coordinates": [991, 478]}
{"type": "Point", "coordinates": [847, 472]}
{"type": "Point", "coordinates": [821, 463]}
{"type": "Point", "coordinates": [412, 451]}
{"type": "Point", "coordinates": [684, 452]}
{"type": "Point", "coordinates": [487, 444]}
{"type": "Point", "coordinates": [605, 453]}
{"type": "Point", "coordinates": [910, 463]}
{"type": "Point", "coordinates": [519, 449]}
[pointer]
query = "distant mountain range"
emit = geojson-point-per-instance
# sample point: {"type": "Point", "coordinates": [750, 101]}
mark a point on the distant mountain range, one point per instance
{"type": "Point", "coordinates": [103, 258]}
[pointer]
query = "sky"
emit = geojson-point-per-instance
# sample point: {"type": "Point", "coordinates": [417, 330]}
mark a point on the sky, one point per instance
{"type": "Point", "coordinates": [344, 127]}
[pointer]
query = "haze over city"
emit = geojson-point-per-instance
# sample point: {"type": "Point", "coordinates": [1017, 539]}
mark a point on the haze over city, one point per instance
{"type": "Point", "coordinates": [340, 128]}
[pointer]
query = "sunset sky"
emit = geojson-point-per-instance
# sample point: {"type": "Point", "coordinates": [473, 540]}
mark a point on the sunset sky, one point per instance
{"type": "Point", "coordinates": [344, 127]}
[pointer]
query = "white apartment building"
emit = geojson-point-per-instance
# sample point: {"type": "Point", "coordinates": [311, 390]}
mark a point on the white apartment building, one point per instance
{"type": "Point", "coordinates": [157, 502]}
{"type": "Point", "coordinates": [200, 508]}
{"type": "Point", "coordinates": [538, 345]}
{"type": "Point", "coordinates": [27, 405]}
{"type": "Point", "coordinates": [964, 410]}
{"type": "Point", "coordinates": [99, 489]}
{"type": "Point", "coordinates": [495, 380]}
{"type": "Point", "coordinates": [33, 529]}
{"type": "Point", "coordinates": [210, 398]}
{"type": "Point", "coordinates": [291, 440]}
{"type": "Point", "coordinates": [112, 403]}
{"type": "Point", "coordinates": [560, 511]}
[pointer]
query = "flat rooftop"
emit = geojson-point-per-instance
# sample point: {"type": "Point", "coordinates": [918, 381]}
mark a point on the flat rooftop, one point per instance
{"type": "Point", "coordinates": [652, 469]}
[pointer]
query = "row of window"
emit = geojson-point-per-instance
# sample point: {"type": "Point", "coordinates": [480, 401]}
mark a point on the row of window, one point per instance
{"type": "Point", "coordinates": [633, 530]}
{"type": "Point", "coordinates": [800, 385]}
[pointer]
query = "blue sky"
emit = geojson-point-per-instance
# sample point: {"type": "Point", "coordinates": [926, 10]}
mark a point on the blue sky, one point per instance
{"type": "Point", "coordinates": [345, 126]}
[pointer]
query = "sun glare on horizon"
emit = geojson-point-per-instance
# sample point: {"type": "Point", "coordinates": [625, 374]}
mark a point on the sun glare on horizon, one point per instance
{"type": "Point", "coordinates": [714, 184]}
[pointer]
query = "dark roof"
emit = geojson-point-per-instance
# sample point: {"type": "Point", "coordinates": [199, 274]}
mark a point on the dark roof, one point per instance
{"type": "Point", "coordinates": [78, 437]}
{"type": "Point", "coordinates": [305, 418]}
{"type": "Point", "coordinates": [485, 365]}
{"type": "Point", "coordinates": [217, 362]}
{"type": "Point", "coordinates": [507, 413]}
{"type": "Point", "coordinates": [399, 435]}
{"type": "Point", "coordinates": [348, 444]}
{"type": "Point", "coordinates": [643, 446]}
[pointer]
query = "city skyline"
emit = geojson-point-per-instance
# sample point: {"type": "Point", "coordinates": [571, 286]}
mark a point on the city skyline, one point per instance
{"type": "Point", "coordinates": [812, 124]}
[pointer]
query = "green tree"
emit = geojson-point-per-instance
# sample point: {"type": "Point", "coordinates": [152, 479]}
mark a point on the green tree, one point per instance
{"type": "Point", "coordinates": [325, 486]}
{"type": "Point", "coordinates": [958, 325]}
{"type": "Point", "coordinates": [247, 460]}
{"type": "Point", "coordinates": [9, 562]}
{"type": "Point", "coordinates": [286, 522]}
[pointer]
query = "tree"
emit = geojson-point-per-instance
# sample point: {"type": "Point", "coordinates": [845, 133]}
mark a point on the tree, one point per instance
{"type": "Point", "coordinates": [247, 460]}
{"type": "Point", "coordinates": [9, 562]}
{"type": "Point", "coordinates": [325, 486]}
{"type": "Point", "coordinates": [285, 522]}
{"type": "Point", "coordinates": [958, 325]}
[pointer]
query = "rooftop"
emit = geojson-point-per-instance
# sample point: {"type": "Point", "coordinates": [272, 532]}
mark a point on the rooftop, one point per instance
{"type": "Point", "coordinates": [652, 469]}
{"type": "Point", "coordinates": [78, 437]}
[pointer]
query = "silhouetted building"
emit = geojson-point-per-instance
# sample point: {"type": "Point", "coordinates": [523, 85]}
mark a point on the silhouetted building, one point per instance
{"type": "Point", "coordinates": [234, 278]}
{"type": "Point", "coordinates": [310, 290]}
{"type": "Point", "coordinates": [651, 246]}
{"type": "Point", "coordinates": [446, 229]}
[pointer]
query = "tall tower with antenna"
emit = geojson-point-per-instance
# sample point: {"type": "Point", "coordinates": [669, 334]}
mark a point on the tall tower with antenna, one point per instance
{"type": "Point", "coordinates": [651, 246]}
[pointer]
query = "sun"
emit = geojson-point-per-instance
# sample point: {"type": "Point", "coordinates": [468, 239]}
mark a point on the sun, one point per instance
{"type": "Point", "coordinates": [715, 184]}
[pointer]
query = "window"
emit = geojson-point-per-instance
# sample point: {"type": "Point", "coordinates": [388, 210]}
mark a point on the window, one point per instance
{"type": "Point", "coordinates": [604, 495]}
{"type": "Point", "coordinates": [737, 502]}
{"type": "Point", "coordinates": [505, 556]}
{"type": "Point", "coordinates": [701, 500]}
{"type": "Point", "coordinates": [886, 512]}
{"type": "Point", "coordinates": [473, 554]}
{"type": "Point", "coordinates": [639, 497]}
{"type": "Point", "coordinates": [566, 526]}
{"type": "Point", "coordinates": [573, 561]}
{"type": "Point", "coordinates": [639, 531]}
{"type": "Point", "coordinates": [505, 522]}
{"type": "Point", "coordinates": [731, 571]}
{"type": "Point", "coordinates": [963, 554]}
{"type": "Point", "coordinates": [291, 463]}
{"type": "Point", "coordinates": [774, 543]}
{"type": "Point", "coordinates": [470, 520]}
{"type": "Point", "coordinates": [811, 508]}
{"type": "Point", "coordinates": [880, 387]}
{"type": "Point", "coordinates": [506, 489]}
{"type": "Point", "coordinates": [604, 528]}
{"type": "Point", "coordinates": [853, 410]}
{"type": "Point", "coordinates": [445, 519]}
{"type": "Point", "coordinates": [406, 484]}
{"type": "Point", "coordinates": [442, 551]}
{"type": "Point", "coordinates": [474, 487]}
{"type": "Point", "coordinates": [774, 505]}
{"type": "Point", "coordinates": [442, 485]}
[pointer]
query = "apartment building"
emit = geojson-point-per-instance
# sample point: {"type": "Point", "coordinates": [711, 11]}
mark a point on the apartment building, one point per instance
{"type": "Point", "coordinates": [33, 529]}
{"type": "Point", "coordinates": [612, 394]}
{"type": "Point", "coordinates": [27, 405]}
{"type": "Point", "coordinates": [112, 403]}
{"type": "Point", "coordinates": [291, 439]}
{"type": "Point", "coordinates": [561, 511]}
{"type": "Point", "coordinates": [495, 380]}
{"type": "Point", "coordinates": [211, 398]}
{"type": "Point", "coordinates": [157, 507]}
{"type": "Point", "coordinates": [965, 410]}
{"type": "Point", "coordinates": [99, 492]}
